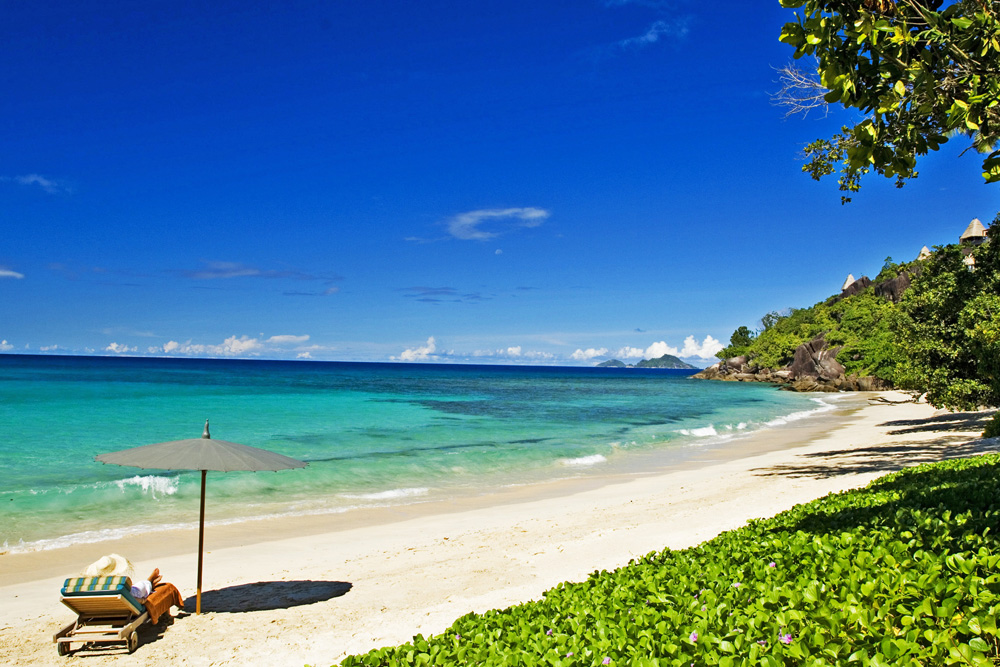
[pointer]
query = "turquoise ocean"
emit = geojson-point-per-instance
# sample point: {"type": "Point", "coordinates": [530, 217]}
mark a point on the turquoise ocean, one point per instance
{"type": "Point", "coordinates": [374, 435]}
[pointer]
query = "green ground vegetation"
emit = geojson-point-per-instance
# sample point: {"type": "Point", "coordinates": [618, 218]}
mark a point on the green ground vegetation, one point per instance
{"type": "Point", "coordinates": [904, 572]}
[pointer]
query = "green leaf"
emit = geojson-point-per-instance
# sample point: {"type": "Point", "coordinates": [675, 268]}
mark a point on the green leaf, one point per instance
{"type": "Point", "coordinates": [978, 644]}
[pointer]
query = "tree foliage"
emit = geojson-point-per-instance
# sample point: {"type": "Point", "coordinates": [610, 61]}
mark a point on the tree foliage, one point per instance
{"type": "Point", "coordinates": [949, 329]}
{"type": "Point", "coordinates": [739, 343]}
{"type": "Point", "coordinates": [921, 71]}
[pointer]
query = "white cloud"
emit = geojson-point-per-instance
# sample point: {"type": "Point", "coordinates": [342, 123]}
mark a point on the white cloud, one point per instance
{"type": "Point", "coordinates": [287, 339]}
{"type": "Point", "coordinates": [419, 353]}
{"type": "Point", "coordinates": [4, 345]}
{"type": "Point", "coordinates": [629, 353]}
{"type": "Point", "coordinates": [48, 348]}
{"type": "Point", "coordinates": [469, 226]}
{"type": "Point", "coordinates": [8, 273]}
{"type": "Point", "coordinates": [303, 355]}
{"type": "Point", "coordinates": [705, 350]}
{"type": "Point", "coordinates": [231, 347]}
{"type": "Point", "coordinates": [589, 353]}
{"type": "Point", "coordinates": [118, 348]}
{"type": "Point", "coordinates": [657, 350]}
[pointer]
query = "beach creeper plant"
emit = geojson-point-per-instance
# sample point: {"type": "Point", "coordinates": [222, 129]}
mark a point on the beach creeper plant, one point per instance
{"type": "Point", "coordinates": [904, 572]}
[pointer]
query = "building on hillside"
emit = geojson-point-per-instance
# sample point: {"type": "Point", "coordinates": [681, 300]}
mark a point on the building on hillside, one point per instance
{"type": "Point", "coordinates": [974, 235]}
{"type": "Point", "coordinates": [925, 253]}
{"type": "Point", "coordinates": [848, 282]}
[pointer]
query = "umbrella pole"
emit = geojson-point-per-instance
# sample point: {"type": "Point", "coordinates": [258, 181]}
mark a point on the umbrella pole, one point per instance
{"type": "Point", "coordinates": [201, 538]}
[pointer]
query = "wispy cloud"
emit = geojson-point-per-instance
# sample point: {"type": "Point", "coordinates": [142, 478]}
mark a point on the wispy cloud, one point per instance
{"type": "Point", "coordinates": [5, 346]}
{"type": "Point", "coordinates": [655, 32]}
{"type": "Point", "coordinates": [10, 273]}
{"type": "Point", "coordinates": [49, 185]}
{"type": "Point", "coordinates": [442, 295]}
{"type": "Point", "coordinates": [215, 270]}
{"type": "Point", "coordinates": [671, 24]}
{"type": "Point", "coordinates": [288, 339]}
{"type": "Point", "coordinates": [513, 353]}
{"type": "Point", "coordinates": [327, 292]}
{"type": "Point", "coordinates": [489, 223]}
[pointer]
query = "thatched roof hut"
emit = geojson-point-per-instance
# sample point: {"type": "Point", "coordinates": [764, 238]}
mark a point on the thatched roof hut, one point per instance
{"type": "Point", "coordinates": [975, 233]}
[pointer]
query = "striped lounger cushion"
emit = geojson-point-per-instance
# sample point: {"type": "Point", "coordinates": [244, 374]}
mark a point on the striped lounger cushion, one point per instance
{"type": "Point", "coordinates": [76, 586]}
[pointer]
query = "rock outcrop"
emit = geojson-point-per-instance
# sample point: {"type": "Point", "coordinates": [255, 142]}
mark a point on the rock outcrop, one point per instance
{"type": "Point", "coordinates": [856, 287]}
{"type": "Point", "coordinates": [893, 289]}
{"type": "Point", "coordinates": [813, 368]}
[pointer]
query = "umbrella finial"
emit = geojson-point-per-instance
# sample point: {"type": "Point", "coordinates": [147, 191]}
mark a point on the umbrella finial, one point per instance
{"type": "Point", "coordinates": [206, 434]}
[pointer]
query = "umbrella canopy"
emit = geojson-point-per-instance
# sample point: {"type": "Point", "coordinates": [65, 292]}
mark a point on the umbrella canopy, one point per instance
{"type": "Point", "coordinates": [202, 454]}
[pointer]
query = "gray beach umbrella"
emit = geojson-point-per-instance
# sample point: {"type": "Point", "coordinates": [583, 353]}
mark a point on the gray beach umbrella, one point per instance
{"type": "Point", "coordinates": [202, 454]}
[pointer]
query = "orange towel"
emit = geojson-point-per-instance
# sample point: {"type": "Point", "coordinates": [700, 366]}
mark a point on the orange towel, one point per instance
{"type": "Point", "coordinates": [163, 597]}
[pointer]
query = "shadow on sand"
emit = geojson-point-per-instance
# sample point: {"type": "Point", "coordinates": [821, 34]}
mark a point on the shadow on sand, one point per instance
{"type": "Point", "coordinates": [267, 595]}
{"type": "Point", "coordinates": [952, 441]}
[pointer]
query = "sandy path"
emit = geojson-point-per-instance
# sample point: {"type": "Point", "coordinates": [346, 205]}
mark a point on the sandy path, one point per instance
{"type": "Point", "coordinates": [313, 599]}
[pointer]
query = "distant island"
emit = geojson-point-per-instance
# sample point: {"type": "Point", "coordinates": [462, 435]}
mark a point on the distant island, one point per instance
{"type": "Point", "coordinates": [666, 361]}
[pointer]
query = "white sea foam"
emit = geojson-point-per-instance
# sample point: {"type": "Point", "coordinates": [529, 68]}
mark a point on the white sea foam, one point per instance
{"type": "Point", "coordinates": [392, 494]}
{"type": "Point", "coordinates": [583, 461]}
{"type": "Point", "coordinates": [704, 432]}
{"type": "Point", "coordinates": [165, 486]}
{"type": "Point", "coordinates": [824, 406]}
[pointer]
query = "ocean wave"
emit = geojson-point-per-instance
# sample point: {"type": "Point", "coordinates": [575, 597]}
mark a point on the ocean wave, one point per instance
{"type": "Point", "coordinates": [165, 486]}
{"type": "Point", "coordinates": [824, 406]}
{"type": "Point", "coordinates": [592, 460]}
{"type": "Point", "coordinates": [704, 432]}
{"type": "Point", "coordinates": [392, 494]}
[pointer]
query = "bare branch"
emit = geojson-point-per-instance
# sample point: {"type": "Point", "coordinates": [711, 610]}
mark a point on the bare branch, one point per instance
{"type": "Point", "coordinates": [801, 92]}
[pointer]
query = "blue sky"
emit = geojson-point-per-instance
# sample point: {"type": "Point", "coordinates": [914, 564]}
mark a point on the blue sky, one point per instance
{"type": "Point", "coordinates": [492, 182]}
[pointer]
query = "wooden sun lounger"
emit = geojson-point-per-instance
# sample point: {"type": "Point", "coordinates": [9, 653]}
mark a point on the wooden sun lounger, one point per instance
{"type": "Point", "coordinates": [101, 619]}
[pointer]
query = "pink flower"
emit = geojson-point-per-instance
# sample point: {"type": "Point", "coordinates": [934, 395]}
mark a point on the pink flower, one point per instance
{"type": "Point", "coordinates": [549, 632]}
{"type": "Point", "coordinates": [693, 637]}
{"type": "Point", "coordinates": [569, 654]}
{"type": "Point", "coordinates": [458, 636]}
{"type": "Point", "coordinates": [772, 564]}
{"type": "Point", "coordinates": [737, 585]}
{"type": "Point", "coordinates": [606, 661]}
{"type": "Point", "coordinates": [785, 639]}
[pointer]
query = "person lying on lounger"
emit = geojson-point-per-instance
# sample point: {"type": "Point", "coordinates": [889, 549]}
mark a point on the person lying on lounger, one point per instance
{"type": "Point", "coordinates": [114, 565]}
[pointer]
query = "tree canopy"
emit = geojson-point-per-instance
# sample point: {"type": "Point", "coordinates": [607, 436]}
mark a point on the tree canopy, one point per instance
{"type": "Point", "coordinates": [948, 329]}
{"type": "Point", "coordinates": [922, 72]}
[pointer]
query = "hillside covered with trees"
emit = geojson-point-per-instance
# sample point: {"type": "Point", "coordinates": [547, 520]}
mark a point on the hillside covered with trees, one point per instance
{"type": "Point", "coordinates": [930, 326]}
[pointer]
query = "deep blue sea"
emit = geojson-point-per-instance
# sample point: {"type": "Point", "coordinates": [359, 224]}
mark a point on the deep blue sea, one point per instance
{"type": "Point", "coordinates": [373, 434]}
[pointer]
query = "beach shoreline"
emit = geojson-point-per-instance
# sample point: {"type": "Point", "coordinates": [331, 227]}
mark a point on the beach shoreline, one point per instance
{"type": "Point", "coordinates": [158, 542]}
{"type": "Point", "coordinates": [308, 591]}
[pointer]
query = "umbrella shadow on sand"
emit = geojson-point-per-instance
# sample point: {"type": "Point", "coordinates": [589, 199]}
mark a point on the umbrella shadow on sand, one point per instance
{"type": "Point", "coordinates": [268, 595]}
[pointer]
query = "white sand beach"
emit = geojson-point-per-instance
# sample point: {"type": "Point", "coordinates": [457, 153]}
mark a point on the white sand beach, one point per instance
{"type": "Point", "coordinates": [310, 591]}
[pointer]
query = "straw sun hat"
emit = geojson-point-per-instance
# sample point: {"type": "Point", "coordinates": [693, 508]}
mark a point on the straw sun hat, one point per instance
{"type": "Point", "coordinates": [111, 565]}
